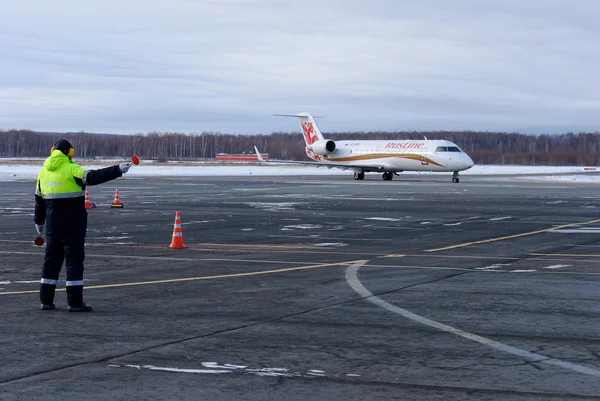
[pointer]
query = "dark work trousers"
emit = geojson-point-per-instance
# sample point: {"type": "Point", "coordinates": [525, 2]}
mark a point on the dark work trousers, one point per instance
{"type": "Point", "coordinates": [65, 241]}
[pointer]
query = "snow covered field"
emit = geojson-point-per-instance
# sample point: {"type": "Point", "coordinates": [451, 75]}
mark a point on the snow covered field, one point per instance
{"type": "Point", "coordinates": [14, 170]}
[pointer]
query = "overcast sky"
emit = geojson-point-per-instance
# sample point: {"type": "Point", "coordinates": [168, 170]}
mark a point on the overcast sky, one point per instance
{"type": "Point", "coordinates": [131, 66]}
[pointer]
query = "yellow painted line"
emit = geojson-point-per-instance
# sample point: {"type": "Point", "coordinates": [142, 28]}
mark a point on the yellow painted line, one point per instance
{"type": "Point", "coordinates": [510, 236]}
{"type": "Point", "coordinates": [178, 280]}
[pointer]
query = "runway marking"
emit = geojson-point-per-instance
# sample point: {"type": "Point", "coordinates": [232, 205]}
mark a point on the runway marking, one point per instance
{"type": "Point", "coordinates": [262, 246]}
{"type": "Point", "coordinates": [555, 266]}
{"type": "Point", "coordinates": [478, 257]}
{"type": "Point", "coordinates": [244, 246]}
{"type": "Point", "coordinates": [356, 285]}
{"type": "Point", "coordinates": [488, 269]}
{"type": "Point", "coordinates": [495, 267]}
{"type": "Point", "coordinates": [566, 255]}
{"type": "Point", "coordinates": [579, 231]}
{"type": "Point", "coordinates": [510, 236]}
{"type": "Point", "coordinates": [218, 247]}
{"type": "Point", "coordinates": [318, 236]}
{"type": "Point", "coordinates": [179, 280]}
{"type": "Point", "coordinates": [379, 256]}
{"type": "Point", "coordinates": [166, 258]}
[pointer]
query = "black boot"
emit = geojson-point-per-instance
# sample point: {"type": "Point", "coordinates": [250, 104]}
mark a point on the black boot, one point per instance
{"type": "Point", "coordinates": [80, 308]}
{"type": "Point", "coordinates": [75, 299]}
{"type": "Point", "coordinates": [47, 296]}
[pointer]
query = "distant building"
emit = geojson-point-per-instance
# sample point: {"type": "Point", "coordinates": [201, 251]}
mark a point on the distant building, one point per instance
{"type": "Point", "coordinates": [225, 157]}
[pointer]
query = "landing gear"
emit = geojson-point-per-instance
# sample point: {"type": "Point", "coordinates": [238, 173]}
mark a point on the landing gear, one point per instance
{"type": "Point", "coordinates": [359, 175]}
{"type": "Point", "coordinates": [455, 177]}
{"type": "Point", "coordinates": [387, 176]}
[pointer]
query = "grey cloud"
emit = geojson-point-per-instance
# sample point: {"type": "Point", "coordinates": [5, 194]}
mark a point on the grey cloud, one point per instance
{"type": "Point", "coordinates": [228, 65]}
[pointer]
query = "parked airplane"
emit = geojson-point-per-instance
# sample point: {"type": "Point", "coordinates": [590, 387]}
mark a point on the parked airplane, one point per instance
{"type": "Point", "coordinates": [387, 157]}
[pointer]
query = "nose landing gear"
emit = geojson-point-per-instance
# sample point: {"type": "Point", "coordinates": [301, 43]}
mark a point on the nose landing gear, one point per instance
{"type": "Point", "coordinates": [455, 177]}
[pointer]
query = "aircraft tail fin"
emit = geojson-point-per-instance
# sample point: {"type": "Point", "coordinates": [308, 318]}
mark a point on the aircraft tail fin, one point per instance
{"type": "Point", "coordinates": [258, 155]}
{"type": "Point", "coordinates": [310, 130]}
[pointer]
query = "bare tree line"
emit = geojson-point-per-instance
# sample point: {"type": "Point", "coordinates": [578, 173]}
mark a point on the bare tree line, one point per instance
{"type": "Point", "coordinates": [581, 149]}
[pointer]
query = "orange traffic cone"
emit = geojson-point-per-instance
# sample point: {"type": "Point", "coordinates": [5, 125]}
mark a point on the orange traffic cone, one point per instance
{"type": "Point", "coordinates": [117, 201]}
{"type": "Point", "coordinates": [88, 203]}
{"type": "Point", "coordinates": [177, 241]}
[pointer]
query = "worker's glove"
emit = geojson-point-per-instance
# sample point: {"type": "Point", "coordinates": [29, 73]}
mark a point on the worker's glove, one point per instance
{"type": "Point", "coordinates": [124, 167]}
{"type": "Point", "coordinates": [39, 228]}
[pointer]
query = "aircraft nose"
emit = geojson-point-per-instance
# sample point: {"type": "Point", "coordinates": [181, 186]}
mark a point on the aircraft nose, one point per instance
{"type": "Point", "coordinates": [468, 162]}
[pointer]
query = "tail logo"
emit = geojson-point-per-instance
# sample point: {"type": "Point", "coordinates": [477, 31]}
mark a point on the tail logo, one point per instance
{"type": "Point", "coordinates": [308, 130]}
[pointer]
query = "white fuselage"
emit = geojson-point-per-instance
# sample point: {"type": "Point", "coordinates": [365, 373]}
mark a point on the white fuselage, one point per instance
{"type": "Point", "coordinates": [397, 155]}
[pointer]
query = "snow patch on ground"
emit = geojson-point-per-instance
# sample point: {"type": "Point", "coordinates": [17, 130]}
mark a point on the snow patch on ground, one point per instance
{"type": "Point", "coordinates": [382, 218]}
{"type": "Point", "coordinates": [273, 207]}
{"type": "Point", "coordinates": [301, 227]}
{"type": "Point", "coordinates": [19, 171]}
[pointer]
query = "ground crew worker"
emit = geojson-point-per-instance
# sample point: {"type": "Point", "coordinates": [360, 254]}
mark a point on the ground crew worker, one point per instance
{"type": "Point", "coordinates": [60, 204]}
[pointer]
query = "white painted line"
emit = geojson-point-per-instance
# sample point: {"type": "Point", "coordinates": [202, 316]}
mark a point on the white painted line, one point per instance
{"type": "Point", "coordinates": [329, 238]}
{"type": "Point", "coordinates": [215, 365]}
{"type": "Point", "coordinates": [178, 370]}
{"type": "Point", "coordinates": [356, 285]}
{"type": "Point", "coordinates": [421, 267]}
{"type": "Point", "coordinates": [495, 267]}
{"type": "Point", "coordinates": [578, 231]}
{"type": "Point", "coordinates": [480, 270]}
{"type": "Point", "coordinates": [555, 266]}
{"type": "Point", "coordinates": [486, 269]}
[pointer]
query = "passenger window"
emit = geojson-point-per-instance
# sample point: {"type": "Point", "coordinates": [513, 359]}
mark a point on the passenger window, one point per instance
{"type": "Point", "coordinates": [453, 149]}
{"type": "Point", "coordinates": [441, 149]}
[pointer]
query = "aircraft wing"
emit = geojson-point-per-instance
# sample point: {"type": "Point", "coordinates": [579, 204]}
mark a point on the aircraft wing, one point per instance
{"type": "Point", "coordinates": [354, 167]}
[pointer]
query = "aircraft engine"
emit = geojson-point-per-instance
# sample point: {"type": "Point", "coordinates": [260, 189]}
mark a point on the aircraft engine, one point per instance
{"type": "Point", "coordinates": [323, 147]}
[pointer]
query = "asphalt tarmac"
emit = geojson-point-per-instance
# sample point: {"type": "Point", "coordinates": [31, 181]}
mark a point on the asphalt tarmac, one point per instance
{"type": "Point", "coordinates": [312, 288]}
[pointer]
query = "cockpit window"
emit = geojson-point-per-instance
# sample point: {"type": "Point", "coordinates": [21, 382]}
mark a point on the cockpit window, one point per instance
{"type": "Point", "coordinates": [441, 149]}
{"type": "Point", "coordinates": [453, 149]}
